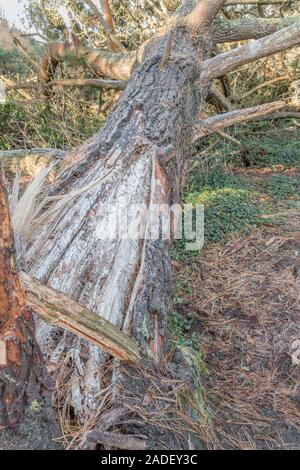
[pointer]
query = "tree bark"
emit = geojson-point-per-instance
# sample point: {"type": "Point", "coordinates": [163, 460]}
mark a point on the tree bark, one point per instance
{"type": "Point", "coordinates": [24, 384]}
{"type": "Point", "coordinates": [137, 158]}
{"type": "Point", "coordinates": [139, 155]}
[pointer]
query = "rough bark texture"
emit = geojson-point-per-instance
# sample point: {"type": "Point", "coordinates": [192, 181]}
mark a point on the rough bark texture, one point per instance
{"type": "Point", "coordinates": [268, 45]}
{"type": "Point", "coordinates": [119, 66]}
{"type": "Point", "coordinates": [139, 155]}
{"type": "Point", "coordinates": [249, 28]}
{"type": "Point", "coordinates": [24, 384]}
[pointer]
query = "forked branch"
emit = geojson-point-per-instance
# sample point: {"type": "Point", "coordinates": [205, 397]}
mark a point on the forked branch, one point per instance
{"type": "Point", "coordinates": [106, 24]}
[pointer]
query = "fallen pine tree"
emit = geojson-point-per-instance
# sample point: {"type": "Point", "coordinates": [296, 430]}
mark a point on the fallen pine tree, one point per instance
{"type": "Point", "coordinates": [140, 154]}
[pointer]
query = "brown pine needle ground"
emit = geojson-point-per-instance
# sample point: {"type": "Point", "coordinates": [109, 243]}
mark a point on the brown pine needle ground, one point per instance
{"type": "Point", "coordinates": [247, 313]}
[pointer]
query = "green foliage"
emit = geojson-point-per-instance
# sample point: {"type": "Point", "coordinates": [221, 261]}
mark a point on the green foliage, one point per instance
{"type": "Point", "coordinates": [282, 186]}
{"type": "Point", "coordinates": [227, 210]}
{"type": "Point", "coordinates": [266, 146]}
{"type": "Point", "coordinates": [11, 62]}
{"type": "Point", "coordinates": [214, 178]}
{"type": "Point", "coordinates": [230, 204]}
{"type": "Point", "coordinates": [62, 125]}
{"type": "Point", "coordinates": [178, 328]}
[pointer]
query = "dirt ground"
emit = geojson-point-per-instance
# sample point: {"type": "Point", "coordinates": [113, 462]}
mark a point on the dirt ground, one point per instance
{"type": "Point", "coordinates": [244, 301]}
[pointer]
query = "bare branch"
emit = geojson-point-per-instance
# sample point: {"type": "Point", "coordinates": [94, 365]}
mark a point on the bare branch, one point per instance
{"type": "Point", "coordinates": [249, 28]}
{"type": "Point", "coordinates": [229, 137]}
{"type": "Point", "coordinates": [93, 82]}
{"type": "Point", "coordinates": [108, 30]}
{"type": "Point", "coordinates": [202, 16]}
{"type": "Point", "coordinates": [22, 153]}
{"type": "Point", "coordinates": [231, 60]}
{"type": "Point", "coordinates": [25, 53]}
{"type": "Point", "coordinates": [238, 99]}
{"type": "Point", "coordinates": [218, 99]}
{"type": "Point", "coordinates": [107, 16]}
{"type": "Point", "coordinates": [57, 309]}
{"type": "Point", "coordinates": [214, 123]}
{"type": "Point", "coordinates": [113, 65]}
{"type": "Point", "coordinates": [284, 115]}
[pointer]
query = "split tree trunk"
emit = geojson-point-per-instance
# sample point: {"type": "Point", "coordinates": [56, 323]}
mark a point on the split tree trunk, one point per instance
{"type": "Point", "coordinates": [138, 156]}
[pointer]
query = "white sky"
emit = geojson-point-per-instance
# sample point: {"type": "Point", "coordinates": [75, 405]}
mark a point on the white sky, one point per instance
{"type": "Point", "coordinates": [13, 11]}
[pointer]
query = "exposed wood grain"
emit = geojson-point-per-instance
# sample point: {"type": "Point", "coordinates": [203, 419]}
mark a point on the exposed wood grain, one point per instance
{"type": "Point", "coordinates": [56, 308]}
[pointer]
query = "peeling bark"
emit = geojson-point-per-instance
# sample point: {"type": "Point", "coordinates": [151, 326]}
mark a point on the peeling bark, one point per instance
{"type": "Point", "coordinates": [24, 384]}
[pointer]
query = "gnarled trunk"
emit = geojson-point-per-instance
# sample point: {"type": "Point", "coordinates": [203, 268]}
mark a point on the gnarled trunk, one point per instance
{"type": "Point", "coordinates": [139, 157]}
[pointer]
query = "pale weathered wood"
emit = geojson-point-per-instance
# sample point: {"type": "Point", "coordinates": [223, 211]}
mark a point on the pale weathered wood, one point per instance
{"type": "Point", "coordinates": [57, 309]}
{"type": "Point", "coordinates": [235, 58]}
{"type": "Point", "coordinates": [23, 153]}
{"type": "Point", "coordinates": [214, 123]}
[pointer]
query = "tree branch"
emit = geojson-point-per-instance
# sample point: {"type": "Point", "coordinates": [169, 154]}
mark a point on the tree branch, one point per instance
{"type": "Point", "coordinates": [214, 123]}
{"type": "Point", "coordinates": [249, 28]}
{"type": "Point", "coordinates": [219, 100]}
{"type": "Point", "coordinates": [113, 65]}
{"type": "Point", "coordinates": [22, 153]}
{"type": "Point", "coordinates": [202, 16]}
{"type": "Point", "coordinates": [107, 16]}
{"type": "Point", "coordinates": [231, 60]}
{"type": "Point", "coordinates": [25, 53]}
{"type": "Point", "coordinates": [238, 99]}
{"type": "Point", "coordinates": [57, 309]}
{"type": "Point", "coordinates": [116, 45]}
{"type": "Point", "coordinates": [93, 82]}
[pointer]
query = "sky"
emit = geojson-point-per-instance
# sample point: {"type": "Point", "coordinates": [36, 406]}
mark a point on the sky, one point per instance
{"type": "Point", "coordinates": [13, 10]}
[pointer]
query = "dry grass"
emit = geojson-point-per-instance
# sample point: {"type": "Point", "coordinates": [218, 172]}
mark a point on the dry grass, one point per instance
{"type": "Point", "coordinates": [247, 306]}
